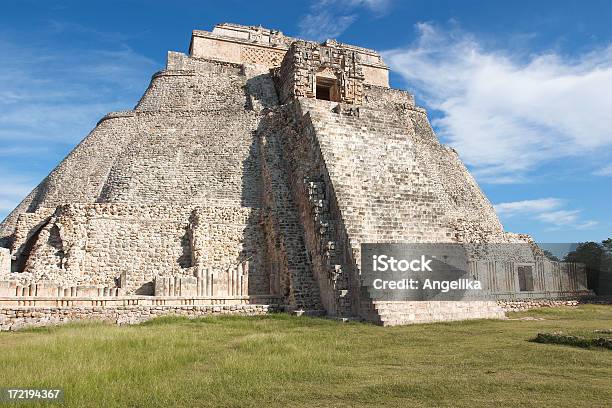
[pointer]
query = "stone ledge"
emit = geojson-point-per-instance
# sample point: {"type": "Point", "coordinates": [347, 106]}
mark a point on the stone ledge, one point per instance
{"type": "Point", "coordinates": [117, 115]}
{"type": "Point", "coordinates": [174, 72]}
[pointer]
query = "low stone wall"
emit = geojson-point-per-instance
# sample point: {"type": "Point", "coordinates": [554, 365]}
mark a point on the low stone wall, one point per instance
{"type": "Point", "coordinates": [526, 304]}
{"type": "Point", "coordinates": [16, 318]}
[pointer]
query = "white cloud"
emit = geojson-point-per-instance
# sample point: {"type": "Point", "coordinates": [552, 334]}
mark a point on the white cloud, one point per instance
{"type": "Point", "coordinates": [329, 19]}
{"type": "Point", "coordinates": [527, 206]}
{"type": "Point", "coordinates": [546, 210]}
{"type": "Point", "coordinates": [561, 217]}
{"type": "Point", "coordinates": [604, 171]}
{"type": "Point", "coordinates": [507, 116]}
{"type": "Point", "coordinates": [323, 25]}
{"type": "Point", "coordinates": [566, 218]}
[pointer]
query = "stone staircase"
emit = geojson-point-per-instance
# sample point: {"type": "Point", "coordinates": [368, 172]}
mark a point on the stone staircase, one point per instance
{"type": "Point", "coordinates": [300, 286]}
{"type": "Point", "coordinates": [401, 313]}
{"type": "Point", "coordinates": [328, 247]}
{"type": "Point", "coordinates": [375, 204]}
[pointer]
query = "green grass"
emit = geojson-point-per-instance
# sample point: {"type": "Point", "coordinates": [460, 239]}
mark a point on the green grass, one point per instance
{"type": "Point", "coordinates": [304, 362]}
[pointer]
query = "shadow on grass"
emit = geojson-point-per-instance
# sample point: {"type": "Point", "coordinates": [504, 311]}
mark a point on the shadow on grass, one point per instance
{"type": "Point", "coordinates": [284, 318]}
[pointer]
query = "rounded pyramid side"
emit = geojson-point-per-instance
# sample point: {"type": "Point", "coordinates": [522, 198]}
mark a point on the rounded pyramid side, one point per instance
{"type": "Point", "coordinates": [81, 175]}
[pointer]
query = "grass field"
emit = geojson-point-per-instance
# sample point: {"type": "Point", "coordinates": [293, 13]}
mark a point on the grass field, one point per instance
{"type": "Point", "coordinates": [303, 362]}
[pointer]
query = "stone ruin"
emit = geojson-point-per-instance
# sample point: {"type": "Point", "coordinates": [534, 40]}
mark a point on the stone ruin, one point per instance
{"type": "Point", "coordinates": [248, 174]}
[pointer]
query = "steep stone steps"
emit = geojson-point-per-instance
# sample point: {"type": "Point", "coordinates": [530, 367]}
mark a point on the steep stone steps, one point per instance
{"type": "Point", "coordinates": [399, 313]}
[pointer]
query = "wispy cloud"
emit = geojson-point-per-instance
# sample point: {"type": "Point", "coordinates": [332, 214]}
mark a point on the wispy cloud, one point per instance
{"type": "Point", "coordinates": [547, 210]}
{"type": "Point", "coordinates": [323, 25]}
{"type": "Point", "coordinates": [56, 94]}
{"type": "Point", "coordinates": [13, 190]}
{"type": "Point", "coordinates": [51, 96]}
{"type": "Point", "coordinates": [604, 171]}
{"type": "Point", "coordinates": [527, 206]}
{"type": "Point", "coordinates": [329, 19]}
{"type": "Point", "coordinates": [507, 114]}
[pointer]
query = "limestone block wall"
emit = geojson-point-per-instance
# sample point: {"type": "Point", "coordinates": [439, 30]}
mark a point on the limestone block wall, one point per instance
{"type": "Point", "coordinates": [194, 90]}
{"type": "Point", "coordinates": [177, 61]}
{"type": "Point", "coordinates": [376, 75]}
{"type": "Point", "coordinates": [96, 243]}
{"type": "Point", "coordinates": [382, 97]}
{"type": "Point", "coordinates": [401, 313]}
{"type": "Point", "coordinates": [209, 158]}
{"type": "Point", "coordinates": [13, 290]}
{"type": "Point", "coordinates": [240, 44]}
{"type": "Point", "coordinates": [17, 318]}
{"type": "Point", "coordinates": [207, 282]}
{"type": "Point", "coordinates": [380, 185]}
{"type": "Point", "coordinates": [227, 239]}
{"type": "Point", "coordinates": [27, 226]}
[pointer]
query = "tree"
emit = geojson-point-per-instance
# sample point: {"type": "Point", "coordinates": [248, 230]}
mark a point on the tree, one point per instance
{"type": "Point", "coordinates": [550, 255]}
{"type": "Point", "coordinates": [598, 260]}
{"type": "Point", "coordinates": [605, 276]}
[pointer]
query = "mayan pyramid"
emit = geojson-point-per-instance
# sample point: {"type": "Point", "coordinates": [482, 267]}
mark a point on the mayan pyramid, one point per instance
{"type": "Point", "coordinates": [252, 169]}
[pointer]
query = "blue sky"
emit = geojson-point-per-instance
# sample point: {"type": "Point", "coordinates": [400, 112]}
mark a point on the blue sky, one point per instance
{"type": "Point", "coordinates": [522, 89]}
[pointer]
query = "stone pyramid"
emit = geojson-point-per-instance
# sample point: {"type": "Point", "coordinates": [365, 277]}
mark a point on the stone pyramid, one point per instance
{"type": "Point", "coordinates": [253, 168]}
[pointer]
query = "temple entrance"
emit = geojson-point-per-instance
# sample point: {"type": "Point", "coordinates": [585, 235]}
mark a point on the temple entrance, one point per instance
{"type": "Point", "coordinates": [327, 89]}
{"type": "Point", "coordinates": [525, 275]}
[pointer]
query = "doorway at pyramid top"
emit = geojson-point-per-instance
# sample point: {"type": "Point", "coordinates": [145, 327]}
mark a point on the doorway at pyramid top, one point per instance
{"type": "Point", "coordinates": [327, 85]}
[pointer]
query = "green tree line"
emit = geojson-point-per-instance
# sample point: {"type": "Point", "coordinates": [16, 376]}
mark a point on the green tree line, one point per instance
{"type": "Point", "coordinates": [597, 256]}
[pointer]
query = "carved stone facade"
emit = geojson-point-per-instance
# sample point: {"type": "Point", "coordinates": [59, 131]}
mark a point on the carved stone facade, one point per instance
{"type": "Point", "coordinates": [260, 46]}
{"type": "Point", "coordinates": [323, 71]}
{"type": "Point", "coordinates": [250, 173]}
